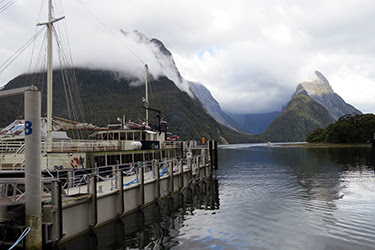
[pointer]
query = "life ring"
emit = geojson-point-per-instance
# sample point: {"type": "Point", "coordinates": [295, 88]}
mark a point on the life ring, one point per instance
{"type": "Point", "coordinates": [74, 162]}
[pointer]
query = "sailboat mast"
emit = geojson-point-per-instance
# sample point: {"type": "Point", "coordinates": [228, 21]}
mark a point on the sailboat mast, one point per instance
{"type": "Point", "coordinates": [49, 25]}
{"type": "Point", "coordinates": [49, 74]}
{"type": "Point", "coordinates": [146, 101]}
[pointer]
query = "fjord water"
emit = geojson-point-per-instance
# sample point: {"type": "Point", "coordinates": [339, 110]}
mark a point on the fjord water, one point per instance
{"type": "Point", "coordinates": [262, 197]}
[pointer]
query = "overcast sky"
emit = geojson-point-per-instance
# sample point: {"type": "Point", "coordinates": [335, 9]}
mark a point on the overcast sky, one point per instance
{"type": "Point", "coordinates": [250, 54]}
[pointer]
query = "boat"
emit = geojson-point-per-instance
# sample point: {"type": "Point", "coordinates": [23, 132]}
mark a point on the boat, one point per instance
{"type": "Point", "coordinates": [84, 181]}
{"type": "Point", "coordinates": [122, 145]}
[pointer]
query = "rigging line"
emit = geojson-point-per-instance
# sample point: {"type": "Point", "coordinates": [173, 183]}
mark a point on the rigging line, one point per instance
{"type": "Point", "coordinates": [105, 26]}
{"type": "Point", "coordinates": [6, 6]}
{"type": "Point", "coordinates": [69, 82]}
{"type": "Point", "coordinates": [38, 78]}
{"type": "Point", "coordinates": [18, 52]}
{"type": "Point", "coordinates": [35, 77]}
{"type": "Point", "coordinates": [70, 73]}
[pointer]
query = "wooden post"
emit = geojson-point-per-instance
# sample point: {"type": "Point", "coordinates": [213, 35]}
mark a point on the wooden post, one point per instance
{"type": "Point", "coordinates": [58, 215]}
{"type": "Point", "coordinates": [94, 202]}
{"type": "Point", "coordinates": [69, 179]}
{"type": "Point", "coordinates": [171, 177]}
{"type": "Point", "coordinates": [208, 167]}
{"type": "Point", "coordinates": [191, 167]}
{"type": "Point", "coordinates": [198, 168]}
{"type": "Point", "coordinates": [215, 156]}
{"type": "Point", "coordinates": [157, 173]}
{"type": "Point", "coordinates": [211, 154]}
{"type": "Point", "coordinates": [204, 164]}
{"type": "Point", "coordinates": [114, 175]}
{"type": "Point", "coordinates": [142, 187]}
{"type": "Point", "coordinates": [181, 174]}
{"type": "Point", "coordinates": [120, 177]}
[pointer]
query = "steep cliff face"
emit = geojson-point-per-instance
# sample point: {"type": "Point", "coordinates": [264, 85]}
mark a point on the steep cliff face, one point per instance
{"type": "Point", "coordinates": [193, 88]}
{"type": "Point", "coordinates": [212, 106]}
{"type": "Point", "coordinates": [321, 91]}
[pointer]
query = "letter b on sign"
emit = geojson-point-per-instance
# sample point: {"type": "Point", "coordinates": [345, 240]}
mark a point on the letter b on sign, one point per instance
{"type": "Point", "coordinates": [28, 129]}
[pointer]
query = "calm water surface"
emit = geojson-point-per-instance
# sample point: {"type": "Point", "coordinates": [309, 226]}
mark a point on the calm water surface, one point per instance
{"type": "Point", "coordinates": [262, 198]}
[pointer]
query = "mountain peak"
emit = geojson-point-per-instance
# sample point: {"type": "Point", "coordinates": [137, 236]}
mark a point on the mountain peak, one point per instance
{"type": "Point", "coordinates": [321, 91]}
{"type": "Point", "coordinates": [161, 46]}
{"type": "Point", "coordinates": [318, 86]}
{"type": "Point", "coordinates": [321, 77]}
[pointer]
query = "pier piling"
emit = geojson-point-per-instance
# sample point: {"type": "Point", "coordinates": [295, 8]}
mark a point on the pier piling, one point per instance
{"type": "Point", "coordinates": [33, 184]}
{"type": "Point", "coordinates": [157, 173]}
{"type": "Point", "coordinates": [142, 186]}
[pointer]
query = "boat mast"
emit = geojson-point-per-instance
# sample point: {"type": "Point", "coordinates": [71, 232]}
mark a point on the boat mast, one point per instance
{"type": "Point", "coordinates": [49, 75]}
{"type": "Point", "coordinates": [146, 100]}
{"type": "Point", "coordinates": [49, 25]}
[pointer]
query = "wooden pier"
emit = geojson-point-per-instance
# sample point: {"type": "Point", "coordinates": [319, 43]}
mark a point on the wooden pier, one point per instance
{"type": "Point", "coordinates": [79, 203]}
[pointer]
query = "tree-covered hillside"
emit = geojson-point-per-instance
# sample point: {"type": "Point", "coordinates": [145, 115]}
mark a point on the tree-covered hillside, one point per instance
{"type": "Point", "coordinates": [101, 97]}
{"type": "Point", "coordinates": [348, 129]}
{"type": "Point", "coordinates": [300, 116]}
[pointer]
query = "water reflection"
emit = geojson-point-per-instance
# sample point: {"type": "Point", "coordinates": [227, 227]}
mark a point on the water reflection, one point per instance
{"type": "Point", "coordinates": [321, 195]}
{"type": "Point", "coordinates": [154, 227]}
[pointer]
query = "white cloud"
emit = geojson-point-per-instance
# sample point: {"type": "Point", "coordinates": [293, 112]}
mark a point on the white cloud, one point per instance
{"type": "Point", "coordinates": [250, 54]}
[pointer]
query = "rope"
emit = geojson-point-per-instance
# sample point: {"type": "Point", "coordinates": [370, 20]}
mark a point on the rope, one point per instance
{"type": "Point", "coordinates": [131, 182]}
{"type": "Point", "coordinates": [24, 233]}
{"type": "Point", "coordinates": [6, 6]}
{"type": "Point", "coordinates": [6, 64]}
{"type": "Point", "coordinates": [69, 79]}
{"type": "Point", "coordinates": [76, 198]}
{"type": "Point", "coordinates": [113, 34]}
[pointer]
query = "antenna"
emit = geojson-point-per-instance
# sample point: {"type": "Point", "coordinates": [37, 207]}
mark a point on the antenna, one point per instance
{"type": "Point", "coordinates": [146, 99]}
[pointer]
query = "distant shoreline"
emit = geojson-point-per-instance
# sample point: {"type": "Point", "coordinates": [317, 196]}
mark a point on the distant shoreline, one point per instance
{"type": "Point", "coordinates": [329, 145]}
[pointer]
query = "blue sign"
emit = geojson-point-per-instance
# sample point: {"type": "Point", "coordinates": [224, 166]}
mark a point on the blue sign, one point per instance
{"type": "Point", "coordinates": [28, 129]}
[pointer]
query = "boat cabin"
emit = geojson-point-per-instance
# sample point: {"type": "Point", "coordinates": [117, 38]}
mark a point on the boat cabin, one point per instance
{"type": "Point", "coordinates": [127, 135]}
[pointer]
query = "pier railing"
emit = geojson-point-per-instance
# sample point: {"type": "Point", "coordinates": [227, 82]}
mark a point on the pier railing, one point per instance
{"type": "Point", "coordinates": [98, 195]}
{"type": "Point", "coordinates": [78, 180]}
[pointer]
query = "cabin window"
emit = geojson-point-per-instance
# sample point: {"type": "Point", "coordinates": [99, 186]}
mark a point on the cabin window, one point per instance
{"type": "Point", "coordinates": [129, 136]}
{"type": "Point", "coordinates": [138, 157]}
{"type": "Point", "coordinates": [127, 158]}
{"type": "Point", "coordinates": [115, 136]}
{"type": "Point", "coordinates": [105, 136]}
{"type": "Point", "coordinates": [172, 154]}
{"type": "Point", "coordinates": [113, 159]}
{"type": "Point", "coordinates": [144, 136]}
{"type": "Point", "coordinates": [148, 156]}
{"type": "Point", "coordinates": [110, 159]}
{"type": "Point", "coordinates": [99, 136]}
{"type": "Point", "coordinates": [157, 155]}
{"type": "Point", "coordinates": [137, 136]}
{"type": "Point", "coordinates": [99, 160]}
{"type": "Point", "coordinates": [122, 136]}
{"type": "Point", "coordinates": [110, 136]}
